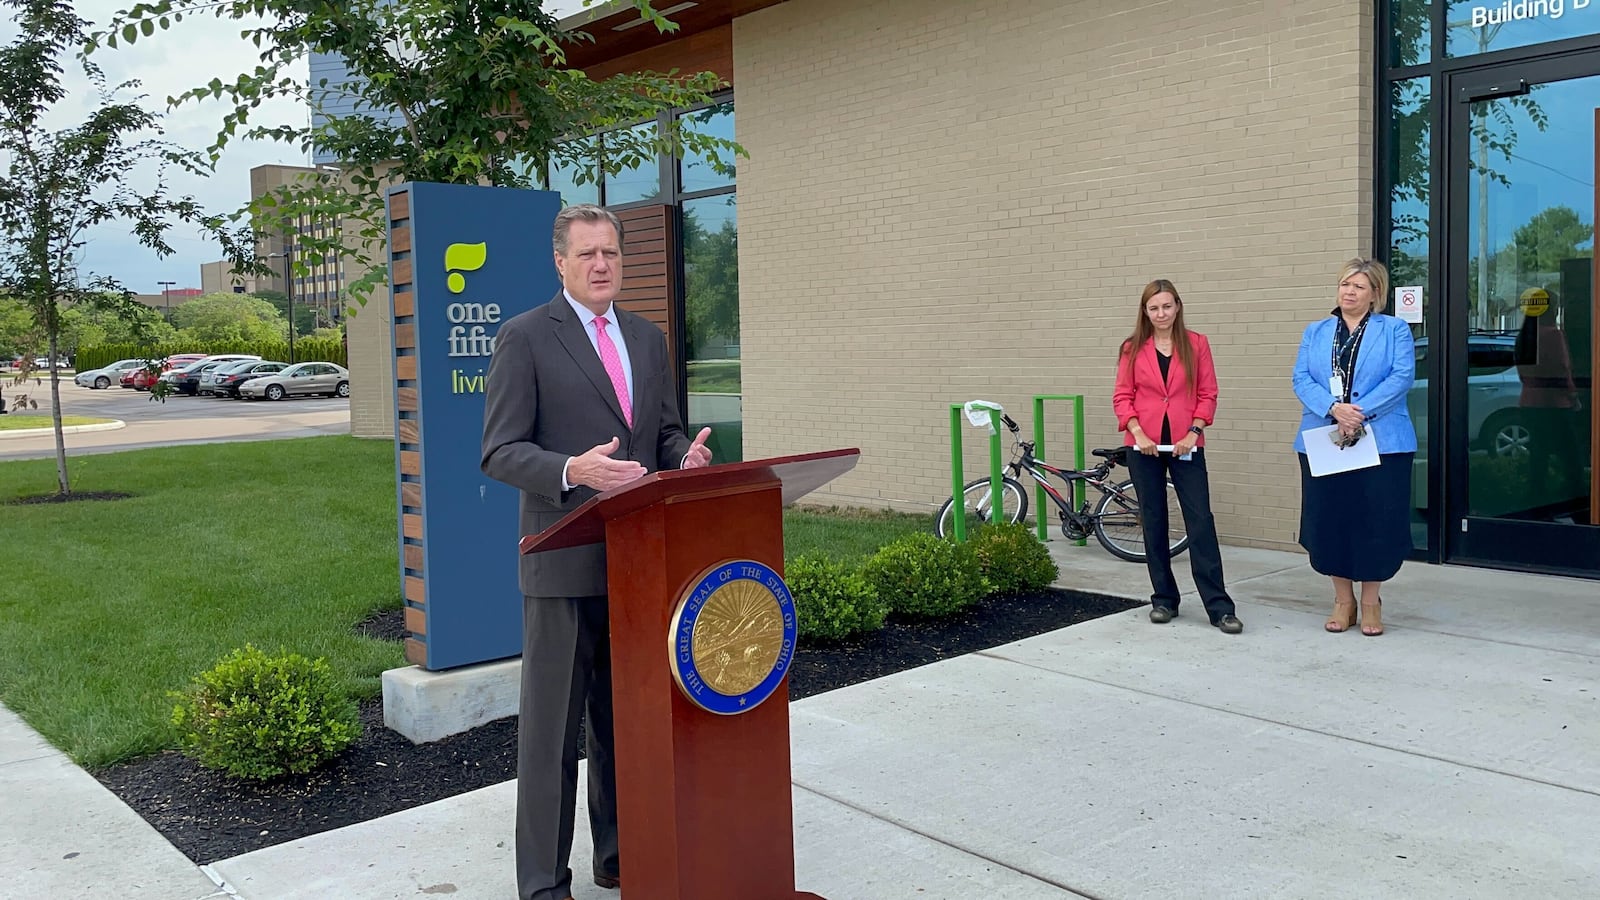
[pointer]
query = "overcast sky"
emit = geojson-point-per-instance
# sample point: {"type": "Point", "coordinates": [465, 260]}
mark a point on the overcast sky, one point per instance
{"type": "Point", "coordinates": [190, 54]}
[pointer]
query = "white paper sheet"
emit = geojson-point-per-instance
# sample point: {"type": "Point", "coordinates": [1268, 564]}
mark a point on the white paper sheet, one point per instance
{"type": "Point", "coordinates": [1327, 458]}
{"type": "Point", "coordinates": [1408, 303]}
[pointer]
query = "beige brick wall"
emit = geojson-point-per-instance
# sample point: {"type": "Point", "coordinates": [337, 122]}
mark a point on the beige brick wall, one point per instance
{"type": "Point", "coordinates": [957, 199]}
{"type": "Point", "coordinates": [371, 354]}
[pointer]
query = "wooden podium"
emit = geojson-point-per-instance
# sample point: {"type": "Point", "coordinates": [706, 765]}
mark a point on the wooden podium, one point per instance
{"type": "Point", "coordinates": [704, 802]}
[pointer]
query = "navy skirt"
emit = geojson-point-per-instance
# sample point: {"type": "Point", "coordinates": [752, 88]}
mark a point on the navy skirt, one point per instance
{"type": "Point", "coordinates": [1357, 525]}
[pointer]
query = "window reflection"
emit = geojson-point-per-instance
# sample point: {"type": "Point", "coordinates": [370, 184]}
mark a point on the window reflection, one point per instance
{"type": "Point", "coordinates": [640, 175]}
{"type": "Point", "coordinates": [566, 164]}
{"type": "Point", "coordinates": [1410, 111]}
{"type": "Point", "coordinates": [1411, 30]}
{"type": "Point", "coordinates": [711, 322]}
{"type": "Point", "coordinates": [700, 172]}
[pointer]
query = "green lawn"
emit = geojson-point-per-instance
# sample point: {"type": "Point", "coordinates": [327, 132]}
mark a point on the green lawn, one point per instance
{"type": "Point", "coordinates": [19, 423]}
{"type": "Point", "coordinates": [107, 606]}
{"type": "Point", "coordinates": [715, 376]}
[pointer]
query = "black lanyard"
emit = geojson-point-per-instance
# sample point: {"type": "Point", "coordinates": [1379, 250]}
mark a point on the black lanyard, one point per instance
{"type": "Point", "coordinates": [1347, 351]}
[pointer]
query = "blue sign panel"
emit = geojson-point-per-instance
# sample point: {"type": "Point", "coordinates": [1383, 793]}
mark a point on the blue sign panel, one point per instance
{"type": "Point", "coordinates": [479, 256]}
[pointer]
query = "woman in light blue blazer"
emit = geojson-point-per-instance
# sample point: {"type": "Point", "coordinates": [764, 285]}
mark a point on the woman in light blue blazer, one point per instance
{"type": "Point", "coordinates": [1354, 370]}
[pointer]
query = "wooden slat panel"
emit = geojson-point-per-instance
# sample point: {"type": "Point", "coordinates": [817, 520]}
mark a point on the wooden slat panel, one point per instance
{"type": "Point", "coordinates": [411, 526]}
{"type": "Point", "coordinates": [416, 590]}
{"type": "Point", "coordinates": [410, 431]}
{"type": "Point", "coordinates": [649, 247]}
{"type": "Point", "coordinates": [644, 269]}
{"type": "Point", "coordinates": [402, 271]}
{"type": "Point", "coordinates": [406, 398]}
{"type": "Point", "coordinates": [400, 205]}
{"type": "Point", "coordinates": [416, 652]}
{"type": "Point", "coordinates": [405, 368]}
{"type": "Point", "coordinates": [400, 239]}
{"type": "Point", "coordinates": [405, 303]}
{"type": "Point", "coordinates": [710, 50]}
{"type": "Point", "coordinates": [412, 553]}
{"type": "Point", "coordinates": [410, 463]}
{"type": "Point", "coordinates": [411, 494]}
{"type": "Point", "coordinates": [416, 621]}
{"type": "Point", "coordinates": [405, 336]}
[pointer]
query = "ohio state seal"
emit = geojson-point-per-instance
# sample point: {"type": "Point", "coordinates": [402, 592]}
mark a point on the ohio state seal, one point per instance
{"type": "Point", "coordinates": [733, 636]}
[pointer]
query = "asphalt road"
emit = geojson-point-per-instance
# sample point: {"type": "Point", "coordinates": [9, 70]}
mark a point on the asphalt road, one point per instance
{"type": "Point", "coordinates": [179, 420]}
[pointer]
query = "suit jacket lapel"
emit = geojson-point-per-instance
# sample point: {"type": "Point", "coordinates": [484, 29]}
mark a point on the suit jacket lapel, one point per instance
{"type": "Point", "coordinates": [575, 339]}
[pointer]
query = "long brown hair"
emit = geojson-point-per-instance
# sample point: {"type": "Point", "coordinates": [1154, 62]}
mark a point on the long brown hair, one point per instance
{"type": "Point", "coordinates": [1144, 331]}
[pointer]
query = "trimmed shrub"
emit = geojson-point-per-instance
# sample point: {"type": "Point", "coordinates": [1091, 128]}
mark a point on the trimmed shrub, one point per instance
{"type": "Point", "coordinates": [1012, 560]}
{"type": "Point", "coordinates": [921, 575]}
{"type": "Point", "coordinates": [306, 349]}
{"type": "Point", "coordinates": [831, 600]}
{"type": "Point", "coordinates": [258, 716]}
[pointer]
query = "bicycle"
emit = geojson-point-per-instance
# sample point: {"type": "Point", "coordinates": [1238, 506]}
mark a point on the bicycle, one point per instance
{"type": "Point", "coordinates": [1115, 521]}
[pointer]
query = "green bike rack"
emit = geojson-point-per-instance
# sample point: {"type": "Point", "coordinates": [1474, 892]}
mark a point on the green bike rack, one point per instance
{"type": "Point", "coordinates": [957, 473]}
{"type": "Point", "coordinates": [1077, 455]}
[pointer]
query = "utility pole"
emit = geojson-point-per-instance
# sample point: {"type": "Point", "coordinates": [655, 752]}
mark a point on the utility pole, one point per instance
{"type": "Point", "coordinates": [287, 253]}
{"type": "Point", "coordinates": [166, 298]}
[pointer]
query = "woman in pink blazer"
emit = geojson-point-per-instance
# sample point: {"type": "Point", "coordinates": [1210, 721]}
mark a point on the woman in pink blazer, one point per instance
{"type": "Point", "coordinates": [1166, 395]}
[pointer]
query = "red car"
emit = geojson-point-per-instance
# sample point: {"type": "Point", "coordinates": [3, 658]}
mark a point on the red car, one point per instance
{"type": "Point", "coordinates": [142, 379]}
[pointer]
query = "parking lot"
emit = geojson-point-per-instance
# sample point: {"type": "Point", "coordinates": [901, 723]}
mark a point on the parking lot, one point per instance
{"type": "Point", "coordinates": [180, 420]}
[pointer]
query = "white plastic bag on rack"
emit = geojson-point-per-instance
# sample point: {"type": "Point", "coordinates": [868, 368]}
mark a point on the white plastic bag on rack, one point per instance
{"type": "Point", "coordinates": [978, 414]}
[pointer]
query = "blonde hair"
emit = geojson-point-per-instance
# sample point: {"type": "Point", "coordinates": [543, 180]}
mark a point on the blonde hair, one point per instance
{"type": "Point", "coordinates": [1376, 272]}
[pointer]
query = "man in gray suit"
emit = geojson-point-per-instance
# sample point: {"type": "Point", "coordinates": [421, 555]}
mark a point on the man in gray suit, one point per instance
{"type": "Point", "coordinates": [580, 399]}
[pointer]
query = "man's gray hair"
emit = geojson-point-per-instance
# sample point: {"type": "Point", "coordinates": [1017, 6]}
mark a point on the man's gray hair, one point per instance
{"type": "Point", "coordinates": [581, 212]}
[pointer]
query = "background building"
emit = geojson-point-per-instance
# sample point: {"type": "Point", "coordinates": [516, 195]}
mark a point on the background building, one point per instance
{"type": "Point", "coordinates": [955, 200]}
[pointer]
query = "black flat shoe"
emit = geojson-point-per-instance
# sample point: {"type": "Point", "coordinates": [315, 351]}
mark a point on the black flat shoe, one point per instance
{"type": "Point", "coordinates": [1229, 624]}
{"type": "Point", "coordinates": [1161, 615]}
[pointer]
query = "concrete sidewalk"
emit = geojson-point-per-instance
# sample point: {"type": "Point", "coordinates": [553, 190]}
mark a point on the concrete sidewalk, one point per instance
{"type": "Point", "coordinates": [1456, 756]}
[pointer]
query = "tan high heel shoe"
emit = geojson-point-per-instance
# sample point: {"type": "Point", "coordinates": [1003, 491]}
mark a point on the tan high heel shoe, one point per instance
{"type": "Point", "coordinates": [1372, 619]}
{"type": "Point", "coordinates": [1343, 618]}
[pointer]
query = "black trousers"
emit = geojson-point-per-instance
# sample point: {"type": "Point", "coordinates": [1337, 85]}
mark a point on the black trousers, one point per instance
{"type": "Point", "coordinates": [566, 680]}
{"type": "Point", "coordinates": [1194, 497]}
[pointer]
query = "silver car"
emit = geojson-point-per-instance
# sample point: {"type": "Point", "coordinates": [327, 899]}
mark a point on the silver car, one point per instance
{"type": "Point", "coordinates": [299, 380]}
{"type": "Point", "coordinates": [106, 376]}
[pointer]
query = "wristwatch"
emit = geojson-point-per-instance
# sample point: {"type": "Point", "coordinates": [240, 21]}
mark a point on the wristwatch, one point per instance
{"type": "Point", "coordinates": [1197, 429]}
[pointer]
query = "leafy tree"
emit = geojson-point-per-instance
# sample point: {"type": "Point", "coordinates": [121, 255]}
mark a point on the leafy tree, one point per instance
{"type": "Point", "coordinates": [58, 184]}
{"type": "Point", "coordinates": [1553, 235]}
{"type": "Point", "coordinates": [218, 318]}
{"type": "Point", "coordinates": [455, 91]}
{"type": "Point", "coordinates": [711, 273]}
{"type": "Point", "coordinates": [19, 334]}
{"type": "Point", "coordinates": [305, 318]}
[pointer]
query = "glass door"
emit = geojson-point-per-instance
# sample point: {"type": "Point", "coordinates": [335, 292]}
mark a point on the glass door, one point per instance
{"type": "Point", "coordinates": [1520, 316]}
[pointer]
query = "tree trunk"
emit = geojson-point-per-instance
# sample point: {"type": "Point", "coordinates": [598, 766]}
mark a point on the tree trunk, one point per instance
{"type": "Point", "coordinates": [55, 417]}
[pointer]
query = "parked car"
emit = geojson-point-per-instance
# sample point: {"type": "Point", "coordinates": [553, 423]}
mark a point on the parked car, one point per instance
{"type": "Point", "coordinates": [299, 380]}
{"type": "Point", "coordinates": [187, 379]}
{"type": "Point", "coordinates": [106, 376]}
{"type": "Point", "coordinates": [142, 379]}
{"type": "Point", "coordinates": [225, 380]}
{"type": "Point", "coordinates": [1494, 394]}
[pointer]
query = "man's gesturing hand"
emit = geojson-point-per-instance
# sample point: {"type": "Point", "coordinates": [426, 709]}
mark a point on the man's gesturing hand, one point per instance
{"type": "Point", "coordinates": [596, 469]}
{"type": "Point", "coordinates": [699, 454]}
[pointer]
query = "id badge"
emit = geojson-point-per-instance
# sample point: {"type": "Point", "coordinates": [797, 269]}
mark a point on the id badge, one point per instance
{"type": "Point", "coordinates": [1336, 385]}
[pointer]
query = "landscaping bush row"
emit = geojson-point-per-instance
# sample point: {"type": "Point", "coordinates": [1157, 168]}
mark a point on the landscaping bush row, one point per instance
{"type": "Point", "coordinates": [257, 716]}
{"type": "Point", "coordinates": [918, 576]}
{"type": "Point", "coordinates": [305, 350]}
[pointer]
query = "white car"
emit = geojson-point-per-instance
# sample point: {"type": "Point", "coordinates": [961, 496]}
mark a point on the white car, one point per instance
{"type": "Point", "coordinates": [106, 376]}
{"type": "Point", "coordinates": [299, 380]}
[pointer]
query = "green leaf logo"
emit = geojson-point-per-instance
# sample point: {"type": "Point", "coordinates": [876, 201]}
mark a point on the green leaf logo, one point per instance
{"type": "Point", "coordinates": [460, 258]}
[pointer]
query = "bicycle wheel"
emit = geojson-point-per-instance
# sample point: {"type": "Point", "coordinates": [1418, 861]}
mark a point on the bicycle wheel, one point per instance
{"type": "Point", "coordinates": [979, 504]}
{"type": "Point", "coordinates": [1119, 529]}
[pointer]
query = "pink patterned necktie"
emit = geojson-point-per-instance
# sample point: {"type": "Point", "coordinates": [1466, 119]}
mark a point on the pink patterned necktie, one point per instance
{"type": "Point", "coordinates": [613, 364]}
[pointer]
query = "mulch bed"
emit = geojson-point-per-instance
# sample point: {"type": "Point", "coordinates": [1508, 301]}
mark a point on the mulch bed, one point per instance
{"type": "Point", "coordinates": [210, 817]}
